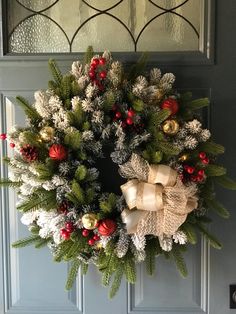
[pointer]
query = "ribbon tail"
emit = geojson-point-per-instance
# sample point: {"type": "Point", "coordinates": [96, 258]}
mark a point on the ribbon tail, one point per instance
{"type": "Point", "coordinates": [132, 219]}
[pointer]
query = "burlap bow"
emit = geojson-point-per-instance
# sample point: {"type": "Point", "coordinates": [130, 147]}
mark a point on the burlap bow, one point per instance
{"type": "Point", "coordinates": [157, 199]}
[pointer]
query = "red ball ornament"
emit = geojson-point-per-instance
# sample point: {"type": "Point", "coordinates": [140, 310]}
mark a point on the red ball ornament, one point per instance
{"type": "Point", "coordinates": [95, 61]}
{"type": "Point", "coordinates": [12, 145]}
{"type": "Point", "coordinates": [85, 233]}
{"type": "Point", "coordinates": [205, 161]}
{"type": "Point", "coordinates": [92, 74]}
{"type": "Point", "coordinates": [130, 113]}
{"type": "Point", "coordinates": [3, 136]}
{"type": "Point", "coordinates": [129, 121]}
{"type": "Point", "coordinates": [106, 227]}
{"type": "Point", "coordinates": [171, 104]}
{"type": "Point", "coordinates": [102, 61]}
{"type": "Point", "coordinates": [200, 178]}
{"type": "Point", "coordinates": [69, 226]}
{"type": "Point", "coordinates": [65, 234]}
{"type": "Point", "coordinates": [91, 242]}
{"type": "Point", "coordinates": [202, 155]}
{"type": "Point", "coordinates": [96, 237]}
{"type": "Point", "coordinates": [57, 152]}
{"type": "Point", "coordinates": [103, 74]}
{"type": "Point", "coordinates": [118, 114]}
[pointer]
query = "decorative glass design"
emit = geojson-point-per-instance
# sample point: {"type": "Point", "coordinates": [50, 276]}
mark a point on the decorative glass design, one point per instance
{"type": "Point", "coordinates": [49, 26]}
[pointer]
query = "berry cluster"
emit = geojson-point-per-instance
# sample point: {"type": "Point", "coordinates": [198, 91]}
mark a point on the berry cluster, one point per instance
{"type": "Point", "coordinates": [67, 230]}
{"type": "Point", "coordinates": [3, 137]}
{"type": "Point", "coordinates": [94, 237]}
{"type": "Point", "coordinates": [97, 72]}
{"type": "Point", "coordinates": [196, 174]}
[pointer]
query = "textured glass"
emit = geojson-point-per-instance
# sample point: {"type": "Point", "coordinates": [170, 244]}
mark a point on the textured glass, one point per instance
{"type": "Point", "coordinates": [118, 25]}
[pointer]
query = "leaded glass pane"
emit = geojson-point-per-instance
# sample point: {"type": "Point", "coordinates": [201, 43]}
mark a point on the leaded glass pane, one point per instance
{"type": "Point", "coordinates": [44, 26]}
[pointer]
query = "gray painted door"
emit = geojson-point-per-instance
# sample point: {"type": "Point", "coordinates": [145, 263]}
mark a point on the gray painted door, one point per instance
{"type": "Point", "coordinates": [29, 280]}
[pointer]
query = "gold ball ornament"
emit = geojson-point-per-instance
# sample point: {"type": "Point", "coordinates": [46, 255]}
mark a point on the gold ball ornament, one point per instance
{"type": "Point", "coordinates": [183, 157]}
{"type": "Point", "coordinates": [47, 133]}
{"type": "Point", "coordinates": [89, 221]}
{"type": "Point", "coordinates": [170, 127]}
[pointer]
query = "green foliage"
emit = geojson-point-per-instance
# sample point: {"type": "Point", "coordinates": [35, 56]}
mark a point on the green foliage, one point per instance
{"type": "Point", "coordinates": [41, 243]}
{"type": "Point", "coordinates": [215, 171]}
{"type": "Point", "coordinates": [28, 109]}
{"type": "Point", "coordinates": [210, 238]}
{"type": "Point", "coordinates": [56, 73]}
{"type": "Point", "coordinates": [62, 250]}
{"type": "Point", "coordinates": [30, 138]}
{"type": "Point", "coordinates": [179, 260]}
{"type": "Point", "coordinates": [130, 268]}
{"type": "Point", "coordinates": [84, 268]}
{"type": "Point", "coordinates": [218, 208]}
{"type": "Point", "coordinates": [190, 232]}
{"type": "Point", "coordinates": [73, 274]}
{"type": "Point", "coordinates": [196, 104]}
{"type": "Point", "coordinates": [138, 105]}
{"type": "Point", "coordinates": [80, 173]}
{"type": "Point", "coordinates": [9, 183]}
{"type": "Point", "coordinates": [73, 140]}
{"type": "Point", "coordinates": [157, 118]}
{"type": "Point", "coordinates": [45, 171]}
{"type": "Point", "coordinates": [117, 280]}
{"type": "Point", "coordinates": [88, 55]}
{"type": "Point", "coordinates": [168, 148]}
{"type": "Point", "coordinates": [226, 182]}
{"type": "Point", "coordinates": [109, 204]}
{"type": "Point", "coordinates": [109, 100]}
{"type": "Point", "coordinates": [152, 249]}
{"type": "Point", "coordinates": [212, 148]}
{"type": "Point", "coordinates": [66, 87]}
{"type": "Point", "coordinates": [26, 241]}
{"type": "Point", "coordinates": [78, 192]}
{"type": "Point", "coordinates": [46, 200]}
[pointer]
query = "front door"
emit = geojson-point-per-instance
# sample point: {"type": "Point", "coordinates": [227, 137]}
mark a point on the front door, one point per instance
{"type": "Point", "coordinates": [202, 56]}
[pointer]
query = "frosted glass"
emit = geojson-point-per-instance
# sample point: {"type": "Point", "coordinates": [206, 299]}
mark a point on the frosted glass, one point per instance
{"type": "Point", "coordinates": [118, 25]}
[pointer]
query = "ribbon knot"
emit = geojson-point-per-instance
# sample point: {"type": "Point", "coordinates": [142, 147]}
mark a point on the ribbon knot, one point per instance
{"type": "Point", "coordinates": [158, 202]}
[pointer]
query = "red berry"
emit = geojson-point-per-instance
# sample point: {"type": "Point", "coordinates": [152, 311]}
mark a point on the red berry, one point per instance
{"type": "Point", "coordinates": [96, 237]}
{"type": "Point", "coordinates": [205, 161]}
{"type": "Point", "coordinates": [65, 234]}
{"type": "Point", "coordinates": [200, 178]}
{"type": "Point", "coordinates": [92, 74]}
{"type": "Point", "coordinates": [102, 61]}
{"type": "Point", "coordinates": [93, 67]}
{"type": "Point", "coordinates": [69, 226]}
{"type": "Point", "coordinates": [3, 136]}
{"type": "Point", "coordinates": [118, 115]}
{"type": "Point", "coordinates": [130, 113]}
{"type": "Point", "coordinates": [103, 74]}
{"type": "Point", "coordinates": [129, 121]}
{"type": "Point", "coordinates": [171, 104]}
{"type": "Point", "coordinates": [190, 170]}
{"type": "Point", "coordinates": [95, 61]}
{"type": "Point", "coordinates": [91, 242]}
{"type": "Point", "coordinates": [201, 172]}
{"type": "Point", "coordinates": [12, 145]}
{"type": "Point", "coordinates": [85, 233]}
{"type": "Point", "coordinates": [202, 155]}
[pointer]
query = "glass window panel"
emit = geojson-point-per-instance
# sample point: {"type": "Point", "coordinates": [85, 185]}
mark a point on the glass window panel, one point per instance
{"type": "Point", "coordinates": [43, 26]}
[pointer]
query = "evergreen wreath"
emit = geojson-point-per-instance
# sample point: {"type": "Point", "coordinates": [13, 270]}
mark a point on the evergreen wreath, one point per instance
{"type": "Point", "coordinates": [157, 140]}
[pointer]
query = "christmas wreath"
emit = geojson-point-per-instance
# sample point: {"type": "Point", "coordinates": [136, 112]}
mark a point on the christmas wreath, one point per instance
{"type": "Point", "coordinates": [161, 148]}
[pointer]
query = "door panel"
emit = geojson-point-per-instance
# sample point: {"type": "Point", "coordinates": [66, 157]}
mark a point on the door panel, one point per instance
{"type": "Point", "coordinates": [30, 282]}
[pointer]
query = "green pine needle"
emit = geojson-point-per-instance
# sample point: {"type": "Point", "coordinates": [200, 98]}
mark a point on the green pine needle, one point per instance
{"type": "Point", "coordinates": [212, 148]}
{"type": "Point", "coordinates": [116, 281]}
{"type": "Point", "coordinates": [88, 55]}
{"type": "Point", "coordinates": [197, 104]}
{"type": "Point", "coordinates": [167, 148]}
{"type": "Point", "coordinates": [150, 258]}
{"type": "Point", "coordinates": [218, 208]}
{"type": "Point", "coordinates": [179, 261]}
{"type": "Point", "coordinates": [26, 241]}
{"type": "Point", "coordinates": [9, 183]}
{"type": "Point", "coordinates": [130, 269]}
{"type": "Point", "coordinates": [72, 274]}
{"type": "Point", "coordinates": [27, 108]}
{"type": "Point", "coordinates": [215, 171]}
{"type": "Point", "coordinates": [213, 241]}
{"type": "Point", "coordinates": [226, 182]}
{"type": "Point", "coordinates": [56, 73]}
{"type": "Point", "coordinates": [190, 233]}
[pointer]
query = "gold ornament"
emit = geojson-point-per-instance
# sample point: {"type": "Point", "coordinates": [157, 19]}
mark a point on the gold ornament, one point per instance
{"type": "Point", "coordinates": [183, 157]}
{"type": "Point", "coordinates": [170, 127]}
{"type": "Point", "coordinates": [89, 221]}
{"type": "Point", "coordinates": [47, 133]}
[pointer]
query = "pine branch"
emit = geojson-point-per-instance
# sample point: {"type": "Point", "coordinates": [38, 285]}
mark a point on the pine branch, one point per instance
{"type": "Point", "coordinates": [62, 250]}
{"type": "Point", "coordinates": [159, 117]}
{"type": "Point", "coordinates": [73, 251]}
{"type": "Point", "coordinates": [78, 192]}
{"type": "Point", "coordinates": [179, 261]}
{"type": "Point", "coordinates": [150, 257]}
{"type": "Point", "coordinates": [218, 208]}
{"type": "Point", "coordinates": [73, 140]}
{"type": "Point", "coordinates": [9, 183]}
{"type": "Point", "coordinates": [88, 55]}
{"type": "Point", "coordinates": [138, 68]}
{"type": "Point", "coordinates": [84, 268]}
{"type": "Point", "coordinates": [130, 269]}
{"type": "Point", "coordinates": [72, 274]}
{"type": "Point", "coordinates": [212, 148]}
{"type": "Point", "coordinates": [117, 280]}
{"type": "Point", "coordinates": [56, 73]}
{"type": "Point", "coordinates": [215, 171]}
{"type": "Point", "coordinates": [197, 104]}
{"type": "Point", "coordinates": [167, 148]}
{"type": "Point", "coordinates": [210, 238]}
{"type": "Point", "coordinates": [41, 243]}
{"type": "Point", "coordinates": [47, 201]}
{"type": "Point", "coordinates": [26, 241]}
{"type": "Point", "coordinates": [80, 173]}
{"type": "Point", "coordinates": [27, 108]}
{"type": "Point", "coordinates": [190, 233]}
{"type": "Point", "coordinates": [226, 182]}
